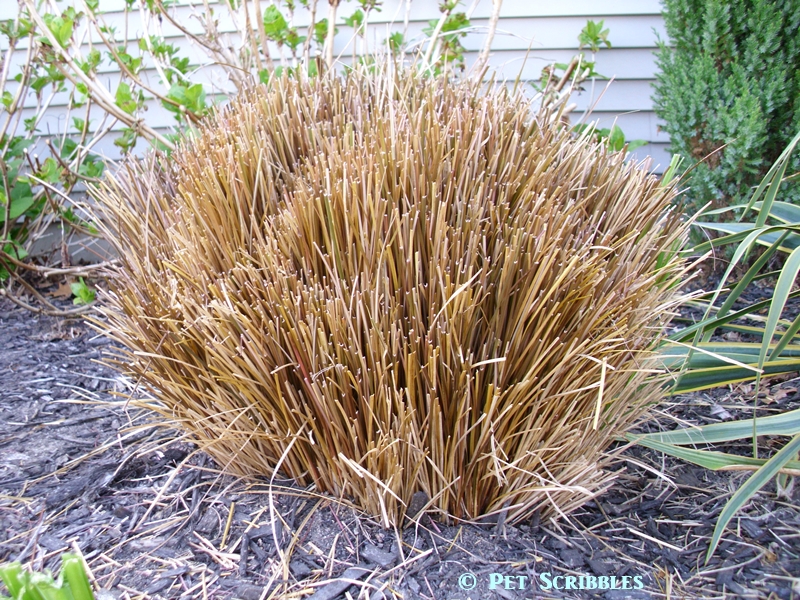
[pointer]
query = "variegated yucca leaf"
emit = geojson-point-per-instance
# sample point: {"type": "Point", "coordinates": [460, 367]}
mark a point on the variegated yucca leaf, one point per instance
{"type": "Point", "coordinates": [698, 363]}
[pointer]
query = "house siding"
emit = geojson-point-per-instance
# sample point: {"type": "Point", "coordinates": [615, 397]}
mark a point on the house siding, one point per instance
{"type": "Point", "coordinates": [530, 35]}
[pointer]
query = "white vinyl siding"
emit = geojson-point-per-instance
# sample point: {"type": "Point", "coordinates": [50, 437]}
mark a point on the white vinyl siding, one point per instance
{"type": "Point", "coordinates": [530, 35]}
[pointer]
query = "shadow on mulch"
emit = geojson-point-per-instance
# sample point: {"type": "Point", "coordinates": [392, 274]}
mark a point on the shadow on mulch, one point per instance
{"type": "Point", "coordinates": [154, 518]}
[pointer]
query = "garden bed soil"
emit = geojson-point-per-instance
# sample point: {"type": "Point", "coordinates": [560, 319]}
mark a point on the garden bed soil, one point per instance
{"type": "Point", "coordinates": [154, 518]}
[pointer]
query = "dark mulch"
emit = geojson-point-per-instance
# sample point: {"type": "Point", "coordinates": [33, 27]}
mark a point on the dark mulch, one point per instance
{"type": "Point", "coordinates": [155, 519]}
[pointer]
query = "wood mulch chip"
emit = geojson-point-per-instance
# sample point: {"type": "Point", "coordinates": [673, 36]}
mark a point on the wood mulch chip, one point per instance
{"type": "Point", "coordinates": [154, 518]}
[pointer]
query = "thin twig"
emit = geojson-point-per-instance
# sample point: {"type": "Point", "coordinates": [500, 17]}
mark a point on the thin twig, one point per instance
{"type": "Point", "coordinates": [332, 6]}
{"type": "Point", "coordinates": [483, 57]}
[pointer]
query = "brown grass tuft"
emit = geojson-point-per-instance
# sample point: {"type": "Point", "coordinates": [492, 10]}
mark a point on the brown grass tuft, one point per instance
{"type": "Point", "coordinates": [394, 284]}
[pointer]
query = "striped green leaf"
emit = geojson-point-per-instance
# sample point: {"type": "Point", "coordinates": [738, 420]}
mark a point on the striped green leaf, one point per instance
{"type": "Point", "coordinates": [708, 459]}
{"type": "Point", "coordinates": [705, 364]}
{"type": "Point", "coordinates": [784, 212]}
{"type": "Point", "coordinates": [756, 481]}
{"type": "Point", "coordinates": [773, 179]}
{"type": "Point", "coordinates": [787, 423]}
{"type": "Point", "coordinates": [703, 379]}
{"type": "Point", "coordinates": [739, 231]}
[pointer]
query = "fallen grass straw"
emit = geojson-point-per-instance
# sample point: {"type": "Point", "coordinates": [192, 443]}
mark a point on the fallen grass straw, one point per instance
{"type": "Point", "coordinates": [393, 284]}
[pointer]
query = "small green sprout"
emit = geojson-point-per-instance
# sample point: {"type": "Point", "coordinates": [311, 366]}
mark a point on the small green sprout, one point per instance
{"type": "Point", "coordinates": [82, 292]}
{"type": "Point", "coordinates": [72, 582]}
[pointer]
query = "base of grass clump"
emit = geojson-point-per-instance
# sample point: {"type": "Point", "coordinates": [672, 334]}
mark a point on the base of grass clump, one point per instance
{"type": "Point", "coordinates": [387, 283]}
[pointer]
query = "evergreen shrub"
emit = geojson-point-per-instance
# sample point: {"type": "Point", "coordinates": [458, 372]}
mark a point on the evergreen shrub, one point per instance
{"type": "Point", "coordinates": [728, 92]}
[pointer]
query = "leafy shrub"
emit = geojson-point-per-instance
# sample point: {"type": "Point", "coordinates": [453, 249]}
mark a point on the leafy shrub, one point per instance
{"type": "Point", "coordinates": [728, 92]}
{"type": "Point", "coordinates": [559, 80]}
{"type": "Point", "coordinates": [39, 173]}
{"type": "Point", "coordinates": [112, 72]}
{"type": "Point", "coordinates": [388, 284]}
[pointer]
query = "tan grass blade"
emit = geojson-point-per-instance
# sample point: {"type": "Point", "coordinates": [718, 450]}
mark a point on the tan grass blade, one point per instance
{"type": "Point", "coordinates": [393, 284]}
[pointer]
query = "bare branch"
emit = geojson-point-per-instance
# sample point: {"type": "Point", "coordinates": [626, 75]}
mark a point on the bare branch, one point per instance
{"type": "Point", "coordinates": [483, 57]}
{"type": "Point", "coordinates": [333, 5]}
{"type": "Point", "coordinates": [433, 42]}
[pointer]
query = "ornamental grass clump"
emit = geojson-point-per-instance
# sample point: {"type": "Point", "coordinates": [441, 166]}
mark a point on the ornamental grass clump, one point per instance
{"type": "Point", "coordinates": [388, 283]}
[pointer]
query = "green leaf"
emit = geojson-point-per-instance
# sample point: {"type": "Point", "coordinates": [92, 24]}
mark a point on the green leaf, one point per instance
{"type": "Point", "coordinates": [191, 97]}
{"type": "Point", "coordinates": [275, 25]}
{"type": "Point", "coordinates": [456, 22]}
{"type": "Point", "coordinates": [24, 27]}
{"type": "Point", "coordinates": [94, 58]}
{"type": "Point", "coordinates": [616, 139]}
{"type": "Point", "coordinates": [60, 26]}
{"type": "Point", "coordinates": [704, 379]}
{"type": "Point", "coordinates": [370, 4]}
{"type": "Point", "coordinates": [181, 65]}
{"type": "Point", "coordinates": [356, 20]}
{"type": "Point", "coordinates": [69, 149]}
{"type": "Point", "coordinates": [718, 354]}
{"type": "Point", "coordinates": [745, 282]}
{"type": "Point", "coordinates": [134, 64]}
{"type": "Point", "coordinates": [674, 165]}
{"type": "Point", "coordinates": [750, 238]}
{"type": "Point", "coordinates": [31, 123]}
{"type": "Point", "coordinates": [709, 364]}
{"type": "Point", "coordinates": [127, 140]}
{"type": "Point", "coordinates": [18, 145]}
{"type": "Point", "coordinates": [634, 144]}
{"type": "Point", "coordinates": [82, 292]}
{"type": "Point", "coordinates": [7, 100]}
{"type": "Point", "coordinates": [81, 92]}
{"type": "Point", "coordinates": [777, 237]}
{"type": "Point", "coordinates": [91, 167]}
{"type": "Point", "coordinates": [50, 171]}
{"type": "Point", "coordinates": [592, 35]}
{"type": "Point", "coordinates": [7, 29]}
{"type": "Point", "coordinates": [12, 576]}
{"type": "Point", "coordinates": [320, 31]}
{"type": "Point", "coordinates": [786, 213]}
{"type": "Point", "coordinates": [787, 337]}
{"type": "Point", "coordinates": [73, 572]}
{"type": "Point", "coordinates": [708, 459]}
{"type": "Point", "coordinates": [12, 174]}
{"type": "Point", "coordinates": [780, 295]}
{"type": "Point", "coordinates": [754, 483]}
{"type": "Point", "coordinates": [293, 40]}
{"type": "Point", "coordinates": [396, 41]}
{"type": "Point", "coordinates": [39, 82]}
{"type": "Point", "coordinates": [787, 423]}
{"type": "Point", "coordinates": [69, 215]}
{"type": "Point", "coordinates": [771, 181]}
{"type": "Point", "coordinates": [15, 251]}
{"type": "Point", "coordinates": [72, 583]}
{"type": "Point", "coordinates": [125, 99]}
{"type": "Point", "coordinates": [21, 201]}
{"type": "Point", "coordinates": [713, 323]}
{"type": "Point", "coordinates": [740, 231]}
